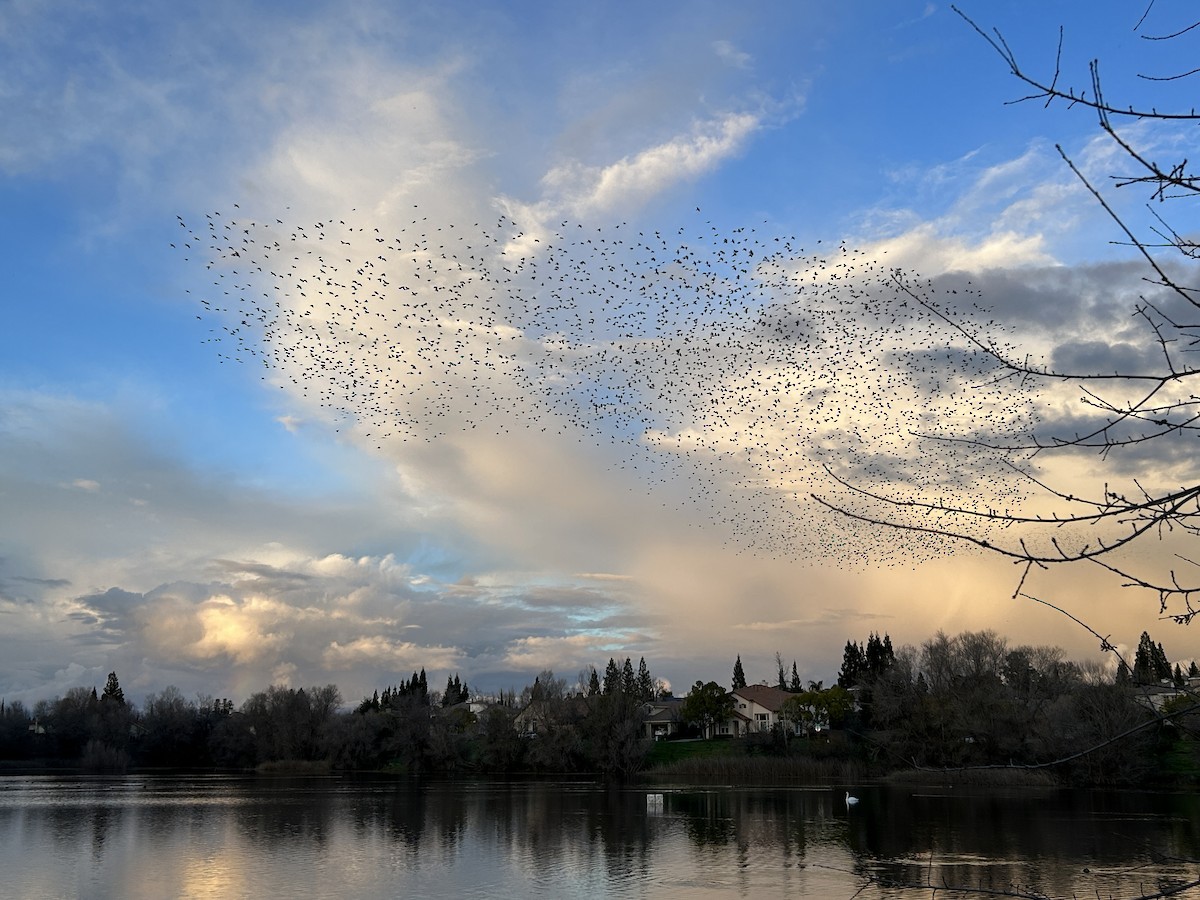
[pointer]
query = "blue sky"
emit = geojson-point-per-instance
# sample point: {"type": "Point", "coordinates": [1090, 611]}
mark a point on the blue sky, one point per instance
{"type": "Point", "coordinates": [183, 519]}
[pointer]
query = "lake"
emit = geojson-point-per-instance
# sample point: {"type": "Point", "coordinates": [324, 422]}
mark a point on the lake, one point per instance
{"type": "Point", "coordinates": [227, 836]}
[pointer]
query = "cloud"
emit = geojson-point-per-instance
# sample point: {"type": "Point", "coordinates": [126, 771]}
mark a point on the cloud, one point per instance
{"type": "Point", "coordinates": [727, 52]}
{"type": "Point", "coordinates": [566, 655]}
{"type": "Point", "coordinates": [380, 653]}
{"type": "Point", "coordinates": [603, 576]}
{"type": "Point", "coordinates": [817, 618]}
{"type": "Point", "coordinates": [1099, 356]}
{"type": "Point", "coordinates": [578, 190]}
{"type": "Point", "coordinates": [448, 529]}
{"type": "Point", "coordinates": [633, 179]}
{"type": "Point", "coordinates": [828, 365]}
{"type": "Point", "coordinates": [281, 614]}
{"type": "Point", "coordinates": [924, 250]}
{"type": "Point", "coordinates": [44, 582]}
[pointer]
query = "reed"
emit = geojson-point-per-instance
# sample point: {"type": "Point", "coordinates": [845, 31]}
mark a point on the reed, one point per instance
{"type": "Point", "coordinates": [100, 759]}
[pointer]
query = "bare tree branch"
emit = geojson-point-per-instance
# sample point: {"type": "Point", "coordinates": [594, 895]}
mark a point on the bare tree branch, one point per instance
{"type": "Point", "coordinates": [1127, 411]}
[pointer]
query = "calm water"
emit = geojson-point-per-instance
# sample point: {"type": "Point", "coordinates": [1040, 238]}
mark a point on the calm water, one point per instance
{"type": "Point", "coordinates": [228, 837]}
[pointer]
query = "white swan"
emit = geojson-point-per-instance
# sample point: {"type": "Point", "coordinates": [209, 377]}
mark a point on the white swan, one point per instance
{"type": "Point", "coordinates": [850, 801]}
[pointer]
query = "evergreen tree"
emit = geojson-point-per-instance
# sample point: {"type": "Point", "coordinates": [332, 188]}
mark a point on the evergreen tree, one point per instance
{"type": "Point", "coordinates": [112, 690]}
{"type": "Point", "coordinates": [645, 684]}
{"type": "Point", "coordinates": [456, 691]}
{"type": "Point", "coordinates": [739, 676]}
{"type": "Point", "coordinates": [1194, 670]}
{"type": "Point", "coordinates": [369, 704]}
{"type": "Point", "coordinates": [1162, 666]}
{"type": "Point", "coordinates": [593, 689]}
{"type": "Point", "coordinates": [1178, 677]}
{"type": "Point", "coordinates": [1144, 660]}
{"type": "Point", "coordinates": [612, 678]}
{"type": "Point", "coordinates": [628, 679]}
{"type": "Point", "coordinates": [780, 673]}
{"type": "Point", "coordinates": [795, 687]}
{"type": "Point", "coordinates": [879, 656]}
{"type": "Point", "coordinates": [854, 663]}
{"type": "Point", "coordinates": [1123, 673]}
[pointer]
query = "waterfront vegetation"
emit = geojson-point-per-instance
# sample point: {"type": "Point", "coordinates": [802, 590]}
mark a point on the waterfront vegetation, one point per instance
{"type": "Point", "coordinates": [969, 709]}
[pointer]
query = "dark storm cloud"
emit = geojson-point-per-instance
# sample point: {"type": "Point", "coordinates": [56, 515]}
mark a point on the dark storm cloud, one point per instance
{"type": "Point", "coordinates": [577, 600]}
{"type": "Point", "coordinates": [1105, 358]}
{"type": "Point", "coordinates": [1081, 300]}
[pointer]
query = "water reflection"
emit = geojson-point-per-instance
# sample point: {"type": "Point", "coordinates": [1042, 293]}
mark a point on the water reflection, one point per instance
{"type": "Point", "coordinates": [380, 837]}
{"type": "Point", "coordinates": [1057, 842]}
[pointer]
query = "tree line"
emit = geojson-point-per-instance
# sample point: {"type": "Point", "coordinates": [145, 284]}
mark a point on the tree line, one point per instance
{"type": "Point", "coordinates": [975, 700]}
{"type": "Point", "coordinates": [968, 700]}
{"type": "Point", "coordinates": [593, 726]}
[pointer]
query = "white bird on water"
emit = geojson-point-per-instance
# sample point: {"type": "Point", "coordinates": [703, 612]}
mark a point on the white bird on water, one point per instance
{"type": "Point", "coordinates": [850, 801]}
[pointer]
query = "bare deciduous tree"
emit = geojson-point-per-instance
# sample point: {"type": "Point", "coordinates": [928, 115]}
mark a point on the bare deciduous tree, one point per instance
{"type": "Point", "coordinates": [1136, 419]}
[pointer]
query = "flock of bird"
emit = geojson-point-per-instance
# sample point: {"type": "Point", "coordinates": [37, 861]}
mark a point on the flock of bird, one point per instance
{"type": "Point", "coordinates": [730, 361]}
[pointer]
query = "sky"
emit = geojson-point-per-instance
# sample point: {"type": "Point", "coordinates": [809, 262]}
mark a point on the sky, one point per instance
{"type": "Point", "coordinates": [212, 478]}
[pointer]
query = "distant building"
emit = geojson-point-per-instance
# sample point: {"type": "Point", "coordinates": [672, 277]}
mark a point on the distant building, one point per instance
{"type": "Point", "coordinates": [661, 718]}
{"type": "Point", "coordinates": [756, 707]}
{"type": "Point", "coordinates": [1155, 696]}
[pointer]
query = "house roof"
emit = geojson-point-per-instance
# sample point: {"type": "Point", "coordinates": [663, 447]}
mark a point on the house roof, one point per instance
{"type": "Point", "coordinates": [662, 710]}
{"type": "Point", "coordinates": [764, 695]}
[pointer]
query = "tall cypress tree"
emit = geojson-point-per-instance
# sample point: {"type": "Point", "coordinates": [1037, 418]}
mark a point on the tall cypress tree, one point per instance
{"type": "Point", "coordinates": [739, 675]}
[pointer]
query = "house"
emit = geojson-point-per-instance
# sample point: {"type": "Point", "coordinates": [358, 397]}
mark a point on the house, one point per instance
{"type": "Point", "coordinates": [661, 718]}
{"type": "Point", "coordinates": [1155, 696]}
{"type": "Point", "coordinates": [756, 707]}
